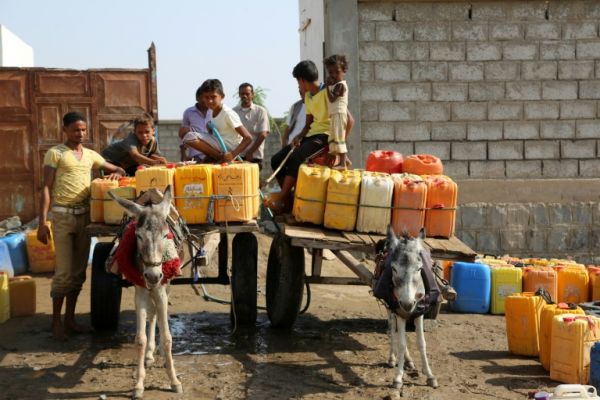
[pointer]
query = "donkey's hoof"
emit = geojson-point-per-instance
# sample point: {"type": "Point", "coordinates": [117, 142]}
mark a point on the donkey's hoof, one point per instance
{"type": "Point", "coordinates": [410, 366]}
{"type": "Point", "coordinates": [137, 394]}
{"type": "Point", "coordinates": [398, 385]}
{"type": "Point", "coordinates": [391, 362]}
{"type": "Point", "coordinates": [149, 361]}
{"type": "Point", "coordinates": [177, 388]}
{"type": "Point", "coordinates": [432, 382]}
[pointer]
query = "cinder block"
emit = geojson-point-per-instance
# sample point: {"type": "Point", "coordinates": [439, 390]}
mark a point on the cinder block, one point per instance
{"type": "Point", "coordinates": [559, 90]}
{"type": "Point", "coordinates": [560, 168]}
{"type": "Point", "coordinates": [576, 70]}
{"type": "Point", "coordinates": [517, 214]}
{"type": "Point", "coordinates": [429, 71]}
{"type": "Point", "coordinates": [366, 31]}
{"type": "Point", "coordinates": [588, 129]}
{"type": "Point", "coordinates": [539, 214]}
{"type": "Point", "coordinates": [557, 50]}
{"type": "Point", "coordinates": [414, 12]}
{"type": "Point", "coordinates": [486, 91]}
{"type": "Point", "coordinates": [396, 111]}
{"type": "Point", "coordinates": [412, 92]}
{"type": "Point", "coordinates": [472, 111]}
{"type": "Point", "coordinates": [413, 131]}
{"type": "Point", "coordinates": [488, 241]}
{"type": "Point", "coordinates": [451, 11]}
{"type": "Point", "coordinates": [366, 71]}
{"type": "Point", "coordinates": [542, 149]}
{"type": "Point", "coordinates": [520, 90]}
{"type": "Point", "coordinates": [536, 241]}
{"type": "Point", "coordinates": [589, 90]}
{"type": "Point", "coordinates": [529, 10]}
{"type": "Point", "coordinates": [375, 51]}
{"type": "Point", "coordinates": [392, 31]}
{"type": "Point", "coordinates": [560, 214]}
{"type": "Point", "coordinates": [541, 110]}
{"type": "Point", "coordinates": [484, 131]}
{"type": "Point", "coordinates": [580, 30]}
{"type": "Point", "coordinates": [431, 32]}
{"type": "Point", "coordinates": [376, 131]}
{"type": "Point", "coordinates": [589, 168]}
{"type": "Point", "coordinates": [505, 111]}
{"type": "Point", "coordinates": [486, 169]}
{"type": "Point", "coordinates": [496, 215]}
{"type": "Point", "coordinates": [447, 51]}
{"type": "Point", "coordinates": [489, 10]}
{"type": "Point", "coordinates": [520, 50]}
{"type": "Point", "coordinates": [484, 51]}
{"type": "Point", "coordinates": [534, 70]}
{"type": "Point", "coordinates": [438, 149]}
{"type": "Point", "coordinates": [469, 31]}
{"type": "Point", "coordinates": [567, 10]}
{"type": "Point", "coordinates": [557, 129]}
{"type": "Point", "coordinates": [588, 49]}
{"type": "Point", "coordinates": [366, 148]}
{"type": "Point", "coordinates": [369, 111]}
{"type": "Point", "coordinates": [524, 169]}
{"type": "Point", "coordinates": [376, 91]}
{"type": "Point", "coordinates": [501, 71]}
{"type": "Point", "coordinates": [543, 30]}
{"type": "Point", "coordinates": [392, 71]}
{"type": "Point", "coordinates": [400, 147]}
{"type": "Point", "coordinates": [449, 131]}
{"type": "Point", "coordinates": [376, 11]}
{"type": "Point", "coordinates": [579, 238]}
{"type": "Point", "coordinates": [578, 149]}
{"type": "Point", "coordinates": [466, 71]}
{"type": "Point", "coordinates": [506, 31]}
{"type": "Point", "coordinates": [433, 112]}
{"type": "Point", "coordinates": [456, 169]}
{"type": "Point", "coordinates": [450, 91]}
{"type": "Point", "coordinates": [473, 216]}
{"type": "Point", "coordinates": [582, 213]}
{"type": "Point", "coordinates": [411, 51]}
{"type": "Point", "coordinates": [505, 150]}
{"type": "Point", "coordinates": [469, 151]}
{"type": "Point", "coordinates": [577, 109]}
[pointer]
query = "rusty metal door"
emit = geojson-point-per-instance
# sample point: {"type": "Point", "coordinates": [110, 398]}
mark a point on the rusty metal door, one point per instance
{"type": "Point", "coordinates": [32, 103]}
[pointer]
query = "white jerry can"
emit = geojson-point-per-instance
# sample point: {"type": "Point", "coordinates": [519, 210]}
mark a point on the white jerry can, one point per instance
{"type": "Point", "coordinates": [574, 392]}
{"type": "Point", "coordinates": [374, 212]}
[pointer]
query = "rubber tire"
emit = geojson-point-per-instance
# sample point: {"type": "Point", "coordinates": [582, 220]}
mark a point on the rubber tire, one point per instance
{"type": "Point", "coordinates": [285, 282]}
{"type": "Point", "coordinates": [106, 292]}
{"type": "Point", "coordinates": [244, 261]}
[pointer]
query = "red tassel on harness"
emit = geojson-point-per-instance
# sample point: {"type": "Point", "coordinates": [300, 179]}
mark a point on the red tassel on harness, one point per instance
{"type": "Point", "coordinates": [125, 257]}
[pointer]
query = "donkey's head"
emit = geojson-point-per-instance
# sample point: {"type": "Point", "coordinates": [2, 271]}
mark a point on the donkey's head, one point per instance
{"type": "Point", "coordinates": [405, 260]}
{"type": "Point", "coordinates": [151, 231]}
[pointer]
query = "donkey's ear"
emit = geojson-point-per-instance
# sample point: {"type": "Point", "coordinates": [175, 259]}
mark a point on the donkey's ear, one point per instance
{"type": "Point", "coordinates": [165, 204]}
{"type": "Point", "coordinates": [422, 234]}
{"type": "Point", "coordinates": [132, 209]}
{"type": "Point", "coordinates": [391, 237]}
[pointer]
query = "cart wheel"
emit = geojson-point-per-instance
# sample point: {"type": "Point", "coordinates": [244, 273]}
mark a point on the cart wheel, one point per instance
{"type": "Point", "coordinates": [243, 278]}
{"type": "Point", "coordinates": [106, 291]}
{"type": "Point", "coordinates": [285, 282]}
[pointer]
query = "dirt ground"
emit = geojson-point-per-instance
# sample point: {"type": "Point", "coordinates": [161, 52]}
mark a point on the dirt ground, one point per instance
{"type": "Point", "coordinates": [337, 350]}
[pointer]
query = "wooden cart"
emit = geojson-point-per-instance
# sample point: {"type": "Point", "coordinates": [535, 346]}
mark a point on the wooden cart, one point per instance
{"type": "Point", "coordinates": [286, 271]}
{"type": "Point", "coordinates": [202, 242]}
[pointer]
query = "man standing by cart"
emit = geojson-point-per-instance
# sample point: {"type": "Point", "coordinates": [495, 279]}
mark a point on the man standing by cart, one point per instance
{"type": "Point", "coordinates": [65, 191]}
{"type": "Point", "coordinates": [256, 121]}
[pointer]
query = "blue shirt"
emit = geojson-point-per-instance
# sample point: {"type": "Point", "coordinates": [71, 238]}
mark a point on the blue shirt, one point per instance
{"type": "Point", "coordinates": [193, 118]}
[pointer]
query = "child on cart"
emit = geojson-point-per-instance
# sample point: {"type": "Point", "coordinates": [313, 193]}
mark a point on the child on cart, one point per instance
{"type": "Point", "coordinates": [337, 104]}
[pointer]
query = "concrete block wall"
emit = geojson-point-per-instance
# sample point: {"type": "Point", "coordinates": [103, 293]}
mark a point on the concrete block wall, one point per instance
{"type": "Point", "coordinates": [532, 229]}
{"type": "Point", "coordinates": [496, 89]}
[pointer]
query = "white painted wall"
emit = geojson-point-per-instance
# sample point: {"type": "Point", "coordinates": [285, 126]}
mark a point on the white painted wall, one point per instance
{"type": "Point", "coordinates": [312, 32]}
{"type": "Point", "coordinates": [13, 51]}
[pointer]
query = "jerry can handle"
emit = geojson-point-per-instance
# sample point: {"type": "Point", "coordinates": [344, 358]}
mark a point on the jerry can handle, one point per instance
{"type": "Point", "coordinates": [585, 391]}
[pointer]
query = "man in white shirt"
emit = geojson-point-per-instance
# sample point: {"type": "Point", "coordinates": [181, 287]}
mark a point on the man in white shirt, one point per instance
{"type": "Point", "coordinates": [295, 121]}
{"type": "Point", "coordinates": [256, 121]}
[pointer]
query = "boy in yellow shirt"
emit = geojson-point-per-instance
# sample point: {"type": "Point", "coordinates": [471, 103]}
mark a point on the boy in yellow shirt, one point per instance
{"type": "Point", "coordinates": [67, 179]}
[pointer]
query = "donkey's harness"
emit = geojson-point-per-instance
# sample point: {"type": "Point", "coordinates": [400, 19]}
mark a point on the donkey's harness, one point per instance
{"type": "Point", "coordinates": [384, 288]}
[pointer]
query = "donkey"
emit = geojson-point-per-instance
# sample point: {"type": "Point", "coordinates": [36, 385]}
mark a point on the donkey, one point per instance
{"type": "Point", "coordinates": [404, 264]}
{"type": "Point", "coordinates": [151, 301]}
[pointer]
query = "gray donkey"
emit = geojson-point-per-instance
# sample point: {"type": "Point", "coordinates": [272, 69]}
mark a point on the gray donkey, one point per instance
{"type": "Point", "coordinates": [151, 301]}
{"type": "Point", "coordinates": [408, 295]}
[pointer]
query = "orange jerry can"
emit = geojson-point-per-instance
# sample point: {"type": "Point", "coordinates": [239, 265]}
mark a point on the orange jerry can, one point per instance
{"type": "Point", "coordinates": [410, 198]}
{"type": "Point", "coordinates": [535, 278]}
{"type": "Point", "coordinates": [42, 257]}
{"type": "Point", "coordinates": [384, 161]}
{"type": "Point", "coordinates": [423, 164]}
{"type": "Point", "coordinates": [22, 296]}
{"type": "Point", "coordinates": [572, 339]}
{"type": "Point", "coordinates": [549, 311]}
{"type": "Point", "coordinates": [573, 284]}
{"type": "Point", "coordinates": [594, 283]}
{"type": "Point", "coordinates": [440, 216]}
{"type": "Point", "coordinates": [99, 187]}
{"type": "Point", "coordinates": [522, 311]}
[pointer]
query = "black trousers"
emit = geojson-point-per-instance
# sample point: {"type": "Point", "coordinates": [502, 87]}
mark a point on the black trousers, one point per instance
{"type": "Point", "coordinates": [308, 147]}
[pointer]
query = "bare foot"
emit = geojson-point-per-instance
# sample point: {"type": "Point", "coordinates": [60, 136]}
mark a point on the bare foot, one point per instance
{"type": "Point", "coordinates": [72, 328]}
{"type": "Point", "coordinates": [58, 332]}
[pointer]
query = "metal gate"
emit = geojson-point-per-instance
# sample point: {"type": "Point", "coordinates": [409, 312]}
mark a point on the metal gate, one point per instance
{"type": "Point", "coordinates": [32, 103]}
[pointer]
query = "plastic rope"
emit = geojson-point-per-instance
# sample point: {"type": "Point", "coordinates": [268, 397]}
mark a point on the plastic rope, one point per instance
{"type": "Point", "coordinates": [374, 206]}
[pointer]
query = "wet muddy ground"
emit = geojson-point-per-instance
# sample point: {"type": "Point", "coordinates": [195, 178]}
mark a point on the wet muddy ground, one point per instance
{"type": "Point", "coordinates": [337, 350]}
